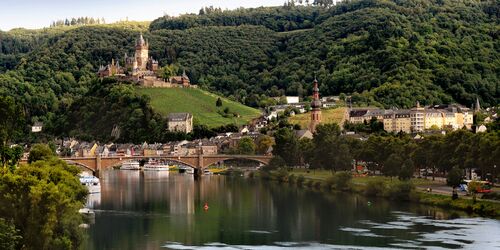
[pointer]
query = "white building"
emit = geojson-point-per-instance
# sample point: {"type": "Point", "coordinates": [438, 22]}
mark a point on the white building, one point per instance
{"type": "Point", "coordinates": [292, 99]}
{"type": "Point", "coordinates": [37, 127]}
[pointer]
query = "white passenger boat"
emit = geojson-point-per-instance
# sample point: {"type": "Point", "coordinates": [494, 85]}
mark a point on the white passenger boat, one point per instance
{"type": "Point", "coordinates": [186, 170]}
{"type": "Point", "coordinates": [131, 165]}
{"type": "Point", "coordinates": [155, 166]}
{"type": "Point", "coordinates": [91, 182]}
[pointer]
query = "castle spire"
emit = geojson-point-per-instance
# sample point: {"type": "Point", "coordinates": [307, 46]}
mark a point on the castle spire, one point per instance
{"type": "Point", "coordinates": [141, 41]}
{"type": "Point", "coordinates": [316, 108]}
{"type": "Point", "coordinates": [477, 107]}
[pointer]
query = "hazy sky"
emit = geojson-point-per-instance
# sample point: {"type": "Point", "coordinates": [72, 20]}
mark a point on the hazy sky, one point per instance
{"type": "Point", "coordinates": [40, 13]}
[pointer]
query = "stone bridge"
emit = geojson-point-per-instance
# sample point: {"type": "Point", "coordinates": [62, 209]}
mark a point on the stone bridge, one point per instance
{"type": "Point", "coordinates": [199, 162]}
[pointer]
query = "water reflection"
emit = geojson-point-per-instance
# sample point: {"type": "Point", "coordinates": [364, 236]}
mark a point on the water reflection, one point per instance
{"type": "Point", "coordinates": [150, 210]}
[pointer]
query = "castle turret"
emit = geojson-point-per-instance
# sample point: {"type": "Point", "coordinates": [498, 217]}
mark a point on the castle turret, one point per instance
{"type": "Point", "coordinates": [141, 53]}
{"type": "Point", "coordinates": [316, 108]}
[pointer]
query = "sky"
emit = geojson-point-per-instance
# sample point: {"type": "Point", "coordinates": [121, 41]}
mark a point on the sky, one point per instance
{"type": "Point", "coordinates": [34, 14]}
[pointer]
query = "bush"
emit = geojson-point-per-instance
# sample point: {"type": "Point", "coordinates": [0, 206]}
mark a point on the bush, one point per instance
{"type": "Point", "coordinates": [309, 183]}
{"type": "Point", "coordinates": [401, 190]}
{"type": "Point", "coordinates": [300, 180]}
{"type": "Point", "coordinates": [282, 175]}
{"type": "Point", "coordinates": [317, 184]}
{"type": "Point", "coordinates": [375, 187]}
{"type": "Point", "coordinates": [491, 196]}
{"type": "Point", "coordinates": [40, 152]}
{"type": "Point", "coordinates": [292, 178]}
{"type": "Point", "coordinates": [340, 181]}
{"type": "Point", "coordinates": [251, 175]}
{"type": "Point", "coordinates": [8, 235]}
{"type": "Point", "coordinates": [265, 175]}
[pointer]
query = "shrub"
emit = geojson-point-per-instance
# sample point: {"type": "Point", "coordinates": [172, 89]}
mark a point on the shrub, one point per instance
{"type": "Point", "coordinates": [300, 180]}
{"type": "Point", "coordinates": [340, 181]}
{"type": "Point", "coordinates": [491, 196]}
{"type": "Point", "coordinates": [317, 184]}
{"type": "Point", "coordinates": [251, 175]}
{"type": "Point", "coordinates": [375, 187]}
{"type": "Point", "coordinates": [401, 190]}
{"type": "Point", "coordinates": [265, 175]}
{"type": "Point", "coordinates": [309, 183]}
{"type": "Point", "coordinates": [292, 178]}
{"type": "Point", "coordinates": [282, 175]}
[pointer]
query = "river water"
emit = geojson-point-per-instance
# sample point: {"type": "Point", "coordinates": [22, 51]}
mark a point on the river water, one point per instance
{"type": "Point", "coordinates": [161, 210]}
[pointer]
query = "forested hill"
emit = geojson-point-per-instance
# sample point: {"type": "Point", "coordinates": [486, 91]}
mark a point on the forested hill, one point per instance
{"type": "Point", "coordinates": [383, 52]}
{"type": "Point", "coordinates": [388, 53]}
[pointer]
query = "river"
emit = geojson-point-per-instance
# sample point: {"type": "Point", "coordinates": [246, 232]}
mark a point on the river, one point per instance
{"type": "Point", "coordinates": [161, 210]}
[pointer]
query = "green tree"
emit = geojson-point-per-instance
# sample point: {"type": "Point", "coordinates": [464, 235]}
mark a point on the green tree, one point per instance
{"type": "Point", "coordinates": [407, 170]}
{"type": "Point", "coordinates": [218, 103]}
{"type": "Point", "coordinates": [11, 121]}
{"type": "Point", "coordinates": [246, 146]}
{"type": "Point", "coordinates": [472, 188]}
{"type": "Point", "coordinates": [168, 71]}
{"type": "Point", "coordinates": [392, 166]}
{"type": "Point", "coordinates": [10, 156]}
{"type": "Point", "coordinates": [40, 152]}
{"type": "Point", "coordinates": [287, 146]}
{"type": "Point", "coordinates": [264, 143]}
{"type": "Point", "coordinates": [454, 178]}
{"type": "Point", "coordinates": [42, 201]}
{"type": "Point", "coordinates": [9, 237]}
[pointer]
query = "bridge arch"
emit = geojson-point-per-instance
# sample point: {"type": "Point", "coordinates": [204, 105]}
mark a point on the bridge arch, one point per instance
{"type": "Point", "coordinates": [125, 159]}
{"type": "Point", "coordinates": [78, 164]}
{"type": "Point", "coordinates": [209, 161]}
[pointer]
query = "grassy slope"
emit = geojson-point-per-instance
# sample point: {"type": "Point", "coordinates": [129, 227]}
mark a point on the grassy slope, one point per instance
{"type": "Point", "coordinates": [335, 115]}
{"type": "Point", "coordinates": [198, 102]}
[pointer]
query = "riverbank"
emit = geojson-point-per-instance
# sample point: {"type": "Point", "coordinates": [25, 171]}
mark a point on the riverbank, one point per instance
{"type": "Point", "coordinates": [378, 186]}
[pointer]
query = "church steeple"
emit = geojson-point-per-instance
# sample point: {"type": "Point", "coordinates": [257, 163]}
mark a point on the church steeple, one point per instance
{"type": "Point", "coordinates": [477, 106]}
{"type": "Point", "coordinates": [316, 108]}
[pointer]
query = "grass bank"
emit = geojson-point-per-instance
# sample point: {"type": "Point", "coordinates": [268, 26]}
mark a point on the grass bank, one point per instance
{"type": "Point", "coordinates": [377, 186]}
{"type": "Point", "coordinates": [201, 104]}
{"type": "Point", "coordinates": [333, 115]}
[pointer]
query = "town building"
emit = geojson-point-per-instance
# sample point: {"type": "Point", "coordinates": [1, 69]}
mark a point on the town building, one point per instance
{"type": "Point", "coordinates": [180, 122]}
{"type": "Point", "coordinates": [417, 115]}
{"type": "Point", "coordinates": [357, 116]}
{"type": "Point", "coordinates": [303, 133]}
{"type": "Point", "coordinates": [419, 119]}
{"type": "Point", "coordinates": [292, 99]}
{"type": "Point", "coordinates": [397, 120]}
{"type": "Point", "coordinates": [315, 108]}
{"type": "Point", "coordinates": [37, 127]}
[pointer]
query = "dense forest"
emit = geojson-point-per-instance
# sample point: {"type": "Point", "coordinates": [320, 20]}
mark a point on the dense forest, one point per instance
{"type": "Point", "coordinates": [384, 53]}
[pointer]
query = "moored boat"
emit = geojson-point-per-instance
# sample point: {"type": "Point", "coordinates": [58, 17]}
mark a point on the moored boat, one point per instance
{"type": "Point", "coordinates": [131, 165]}
{"type": "Point", "coordinates": [91, 182]}
{"type": "Point", "coordinates": [155, 166]}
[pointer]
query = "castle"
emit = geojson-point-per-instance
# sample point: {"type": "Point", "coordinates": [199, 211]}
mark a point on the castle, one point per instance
{"type": "Point", "coordinates": [142, 69]}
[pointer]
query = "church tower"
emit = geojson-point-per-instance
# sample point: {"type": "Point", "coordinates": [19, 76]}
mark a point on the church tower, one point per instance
{"type": "Point", "coordinates": [141, 53]}
{"type": "Point", "coordinates": [316, 108]}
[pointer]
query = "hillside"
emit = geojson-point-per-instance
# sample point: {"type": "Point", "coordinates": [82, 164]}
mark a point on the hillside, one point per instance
{"type": "Point", "coordinates": [335, 115]}
{"type": "Point", "coordinates": [199, 103]}
{"type": "Point", "coordinates": [382, 52]}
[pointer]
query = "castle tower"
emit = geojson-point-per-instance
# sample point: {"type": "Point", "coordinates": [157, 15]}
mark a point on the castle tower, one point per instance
{"type": "Point", "coordinates": [316, 108]}
{"type": "Point", "coordinates": [141, 53]}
